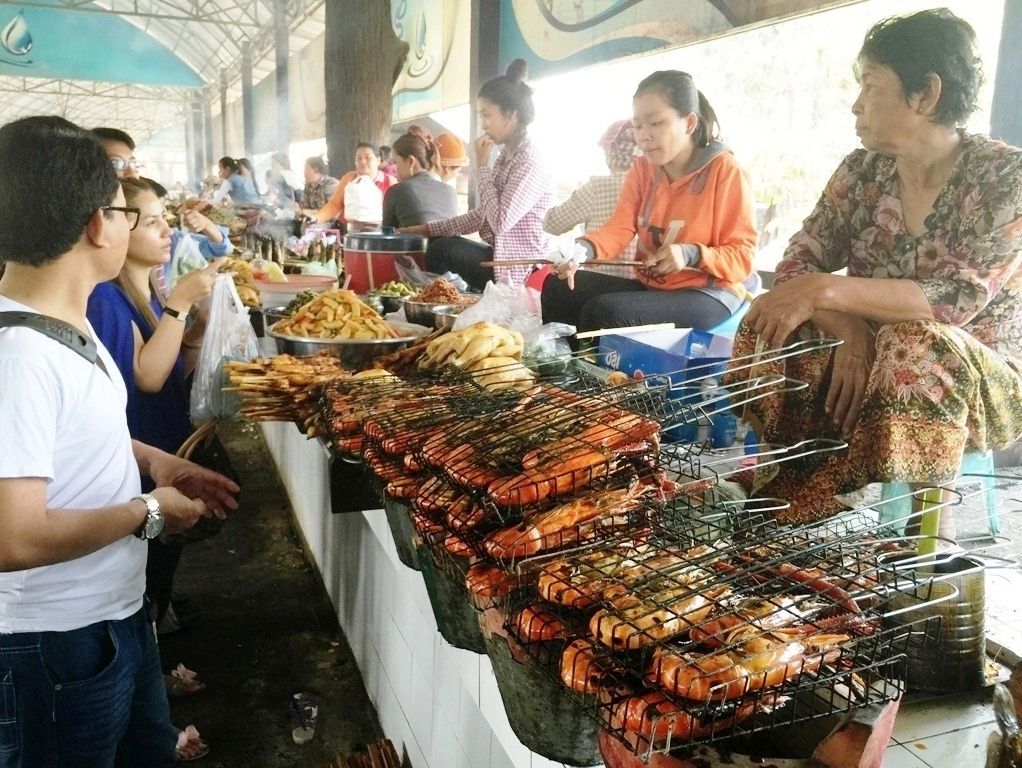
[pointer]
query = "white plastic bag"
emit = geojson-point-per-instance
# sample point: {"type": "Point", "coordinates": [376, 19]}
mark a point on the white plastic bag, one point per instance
{"type": "Point", "coordinates": [229, 336]}
{"type": "Point", "coordinates": [363, 201]}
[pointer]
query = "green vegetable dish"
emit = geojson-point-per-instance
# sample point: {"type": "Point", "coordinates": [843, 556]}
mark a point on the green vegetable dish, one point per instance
{"type": "Point", "coordinates": [394, 288]}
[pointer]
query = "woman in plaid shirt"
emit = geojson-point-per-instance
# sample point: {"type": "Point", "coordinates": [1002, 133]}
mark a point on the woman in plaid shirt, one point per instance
{"type": "Point", "coordinates": [513, 196]}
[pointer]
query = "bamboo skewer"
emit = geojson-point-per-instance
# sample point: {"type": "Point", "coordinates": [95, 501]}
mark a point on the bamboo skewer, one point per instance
{"type": "Point", "coordinates": [547, 262]}
{"type": "Point", "coordinates": [626, 329]}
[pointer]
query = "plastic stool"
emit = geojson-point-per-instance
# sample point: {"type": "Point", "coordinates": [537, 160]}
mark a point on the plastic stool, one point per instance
{"type": "Point", "coordinates": [972, 464]}
{"type": "Point", "coordinates": [729, 326]}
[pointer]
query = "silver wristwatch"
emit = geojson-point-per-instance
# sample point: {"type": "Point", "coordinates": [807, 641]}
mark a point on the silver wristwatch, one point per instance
{"type": "Point", "coordinates": [153, 523]}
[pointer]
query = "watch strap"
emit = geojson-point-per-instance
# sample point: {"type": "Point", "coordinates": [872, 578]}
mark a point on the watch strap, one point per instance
{"type": "Point", "coordinates": [174, 313]}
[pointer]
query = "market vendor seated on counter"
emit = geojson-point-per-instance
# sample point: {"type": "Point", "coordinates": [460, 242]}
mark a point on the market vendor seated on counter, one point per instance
{"type": "Point", "coordinates": [357, 203]}
{"type": "Point", "coordinates": [927, 220]}
{"type": "Point", "coordinates": [691, 206]}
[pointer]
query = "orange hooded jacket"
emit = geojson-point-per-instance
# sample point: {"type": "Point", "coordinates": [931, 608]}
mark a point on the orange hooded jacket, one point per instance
{"type": "Point", "coordinates": [711, 207]}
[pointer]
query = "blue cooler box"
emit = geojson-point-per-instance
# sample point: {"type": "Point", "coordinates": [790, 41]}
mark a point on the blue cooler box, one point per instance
{"type": "Point", "coordinates": [678, 355]}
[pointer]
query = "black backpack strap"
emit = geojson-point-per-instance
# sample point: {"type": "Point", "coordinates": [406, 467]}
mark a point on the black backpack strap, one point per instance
{"type": "Point", "coordinates": [58, 330]}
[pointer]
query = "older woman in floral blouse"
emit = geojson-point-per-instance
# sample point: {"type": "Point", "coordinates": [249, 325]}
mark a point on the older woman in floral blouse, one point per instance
{"type": "Point", "coordinates": [927, 221]}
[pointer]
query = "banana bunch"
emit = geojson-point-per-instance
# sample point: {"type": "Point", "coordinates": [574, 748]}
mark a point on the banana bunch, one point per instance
{"type": "Point", "coordinates": [467, 347]}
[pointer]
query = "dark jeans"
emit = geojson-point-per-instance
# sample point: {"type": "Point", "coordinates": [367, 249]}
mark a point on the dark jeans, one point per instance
{"type": "Point", "coordinates": [608, 301]}
{"type": "Point", "coordinates": [456, 254]}
{"type": "Point", "coordinates": [87, 698]}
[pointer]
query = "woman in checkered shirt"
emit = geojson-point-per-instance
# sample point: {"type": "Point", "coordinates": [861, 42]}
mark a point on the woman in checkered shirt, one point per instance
{"type": "Point", "coordinates": [592, 204]}
{"type": "Point", "coordinates": [513, 196]}
{"type": "Point", "coordinates": [691, 207]}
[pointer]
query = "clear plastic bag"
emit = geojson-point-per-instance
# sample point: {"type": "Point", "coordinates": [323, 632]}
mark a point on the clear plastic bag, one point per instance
{"type": "Point", "coordinates": [185, 258]}
{"type": "Point", "coordinates": [518, 307]}
{"type": "Point", "coordinates": [229, 336]}
{"type": "Point", "coordinates": [409, 273]}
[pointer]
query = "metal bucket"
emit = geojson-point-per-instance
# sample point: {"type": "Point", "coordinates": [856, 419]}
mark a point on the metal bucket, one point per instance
{"type": "Point", "coordinates": [544, 715]}
{"type": "Point", "coordinates": [951, 657]}
{"type": "Point", "coordinates": [455, 617]}
{"type": "Point", "coordinates": [400, 522]}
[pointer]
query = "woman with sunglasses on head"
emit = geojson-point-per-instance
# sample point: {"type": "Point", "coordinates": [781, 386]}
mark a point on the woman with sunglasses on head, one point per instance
{"type": "Point", "coordinates": [691, 207]}
{"type": "Point", "coordinates": [419, 195]}
{"type": "Point", "coordinates": [144, 336]}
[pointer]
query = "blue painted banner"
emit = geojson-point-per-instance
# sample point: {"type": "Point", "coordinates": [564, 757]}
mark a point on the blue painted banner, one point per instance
{"type": "Point", "coordinates": [64, 44]}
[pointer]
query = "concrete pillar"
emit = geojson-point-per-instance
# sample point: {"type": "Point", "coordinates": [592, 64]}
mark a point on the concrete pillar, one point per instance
{"type": "Point", "coordinates": [1006, 111]}
{"type": "Point", "coordinates": [247, 104]}
{"type": "Point", "coordinates": [484, 63]}
{"type": "Point", "coordinates": [207, 134]}
{"type": "Point", "coordinates": [223, 114]}
{"type": "Point", "coordinates": [282, 37]}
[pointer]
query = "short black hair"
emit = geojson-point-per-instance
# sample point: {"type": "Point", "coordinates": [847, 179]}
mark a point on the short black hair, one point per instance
{"type": "Point", "coordinates": [367, 145]}
{"type": "Point", "coordinates": [36, 225]}
{"type": "Point", "coordinates": [114, 134]}
{"type": "Point", "coordinates": [929, 42]}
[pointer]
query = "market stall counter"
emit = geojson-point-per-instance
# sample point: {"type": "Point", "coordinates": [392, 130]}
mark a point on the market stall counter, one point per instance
{"type": "Point", "coordinates": [438, 704]}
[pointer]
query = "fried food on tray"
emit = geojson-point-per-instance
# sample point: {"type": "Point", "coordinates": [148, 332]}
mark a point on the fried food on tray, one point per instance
{"type": "Point", "coordinates": [241, 271]}
{"type": "Point", "coordinates": [337, 314]}
{"type": "Point", "coordinates": [469, 346]}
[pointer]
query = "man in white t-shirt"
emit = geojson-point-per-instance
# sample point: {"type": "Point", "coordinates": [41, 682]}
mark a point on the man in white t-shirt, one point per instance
{"type": "Point", "coordinates": [80, 677]}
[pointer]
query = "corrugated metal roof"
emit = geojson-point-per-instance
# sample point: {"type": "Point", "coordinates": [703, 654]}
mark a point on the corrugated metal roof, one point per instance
{"type": "Point", "coordinates": [207, 35]}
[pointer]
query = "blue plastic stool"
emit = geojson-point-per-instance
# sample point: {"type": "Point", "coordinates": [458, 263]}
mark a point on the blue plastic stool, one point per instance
{"type": "Point", "coordinates": [972, 464]}
{"type": "Point", "coordinates": [729, 326]}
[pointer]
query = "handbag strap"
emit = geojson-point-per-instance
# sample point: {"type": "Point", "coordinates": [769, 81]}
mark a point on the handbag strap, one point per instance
{"type": "Point", "coordinates": [58, 330]}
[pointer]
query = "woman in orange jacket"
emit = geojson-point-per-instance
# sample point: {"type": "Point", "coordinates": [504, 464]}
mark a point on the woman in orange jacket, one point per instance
{"type": "Point", "coordinates": [691, 206]}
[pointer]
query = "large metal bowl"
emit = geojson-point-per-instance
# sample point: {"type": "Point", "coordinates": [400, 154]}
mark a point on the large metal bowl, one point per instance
{"type": "Point", "coordinates": [421, 312]}
{"type": "Point", "coordinates": [445, 314]}
{"type": "Point", "coordinates": [353, 353]}
{"type": "Point", "coordinates": [389, 301]}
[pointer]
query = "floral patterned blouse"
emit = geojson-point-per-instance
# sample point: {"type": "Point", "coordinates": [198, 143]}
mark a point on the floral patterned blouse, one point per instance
{"type": "Point", "coordinates": [967, 261]}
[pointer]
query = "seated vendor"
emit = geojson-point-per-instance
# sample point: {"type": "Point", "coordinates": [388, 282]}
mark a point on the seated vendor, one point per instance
{"type": "Point", "coordinates": [420, 195]}
{"type": "Point", "coordinates": [319, 186]}
{"type": "Point", "coordinates": [691, 206]}
{"type": "Point", "coordinates": [238, 186]}
{"type": "Point", "coordinates": [927, 221]}
{"type": "Point", "coordinates": [367, 165]}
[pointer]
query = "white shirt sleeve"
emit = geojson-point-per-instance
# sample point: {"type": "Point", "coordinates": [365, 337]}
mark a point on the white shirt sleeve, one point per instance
{"type": "Point", "coordinates": [223, 191]}
{"type": "Point", "coordinates": [28, 420]}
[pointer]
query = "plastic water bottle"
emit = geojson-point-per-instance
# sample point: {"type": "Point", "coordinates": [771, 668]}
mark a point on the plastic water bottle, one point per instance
{"type": "Point", "coordinates": [723, 424]}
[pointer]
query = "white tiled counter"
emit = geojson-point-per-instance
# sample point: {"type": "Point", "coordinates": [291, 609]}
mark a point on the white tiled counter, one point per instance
{"type": "Point", "coordinates": [438, 704]}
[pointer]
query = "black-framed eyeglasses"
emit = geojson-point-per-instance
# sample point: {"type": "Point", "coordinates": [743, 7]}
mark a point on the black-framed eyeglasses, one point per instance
{"type": "Point", "coordinates": [131, 214]}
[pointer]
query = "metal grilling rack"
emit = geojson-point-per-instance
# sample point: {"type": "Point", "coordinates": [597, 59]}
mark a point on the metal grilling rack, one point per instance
{"type": "Point", "coordinates": [669, 642]}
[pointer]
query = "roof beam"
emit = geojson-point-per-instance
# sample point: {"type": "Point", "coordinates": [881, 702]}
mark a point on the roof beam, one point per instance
{"type": "Point", "coordinates": [132, 10]}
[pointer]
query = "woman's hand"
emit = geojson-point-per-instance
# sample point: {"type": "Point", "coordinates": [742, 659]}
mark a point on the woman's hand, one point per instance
{"type": "Point", "coordinates": [415, 229]}
{"type": "Point", "coordinates": [668, 260]}
{"type": "Point", "coordinates": [194, 286]}
{"type": "Point", "coordinates": [853, 361]}
{"type": "Point", "coordinates": [775, 315]}
{"type": "Point", "coordinates": [484, 147]}
{"type": "Point", "coordinates": [199, 223]}
{"type": "Point", "coordinates": [566, 271]}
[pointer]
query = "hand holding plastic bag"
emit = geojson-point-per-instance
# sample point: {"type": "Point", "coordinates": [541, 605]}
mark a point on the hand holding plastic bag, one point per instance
{"type": "Point", "coordinates": [186, 258]}
{"type": "Point", "coordinates": [229, 336]}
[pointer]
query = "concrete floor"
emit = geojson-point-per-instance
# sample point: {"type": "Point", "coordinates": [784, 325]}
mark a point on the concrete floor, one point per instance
{"type": "Point", "coordinates": [267, 631]}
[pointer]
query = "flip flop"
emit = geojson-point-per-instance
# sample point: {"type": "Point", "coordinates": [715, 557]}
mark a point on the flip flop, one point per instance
{"type": "Point", "coordinates": [182, 681]}
{"type": "Point", "coordinates": [190, 746]}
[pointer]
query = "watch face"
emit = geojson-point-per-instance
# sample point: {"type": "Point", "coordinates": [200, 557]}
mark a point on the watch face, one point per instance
{"type": "Point", "coordinates": [153, 526]}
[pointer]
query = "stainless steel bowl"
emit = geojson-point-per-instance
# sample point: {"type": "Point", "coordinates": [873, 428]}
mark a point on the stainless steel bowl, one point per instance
{"type": "Point", "coordinates": [353, 353]}
{"type": "Point", "coordinates": [273, 314]}
{"type": "Point", "coordinates": [390, 302]}
{"type": "Point", "coordinates": [445, 314]}
{"type": "Point", "coordinates": [420, 312]}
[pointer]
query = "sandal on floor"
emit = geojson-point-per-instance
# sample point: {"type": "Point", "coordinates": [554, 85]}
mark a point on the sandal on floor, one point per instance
{"type": "Point", "coordinates": [190, 746]}
{"type": "Point", "coordinates": [182, 681]}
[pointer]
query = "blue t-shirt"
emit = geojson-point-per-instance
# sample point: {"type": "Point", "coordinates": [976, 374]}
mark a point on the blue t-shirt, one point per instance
{"type": "Point", "coordinates": [158, 418]}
